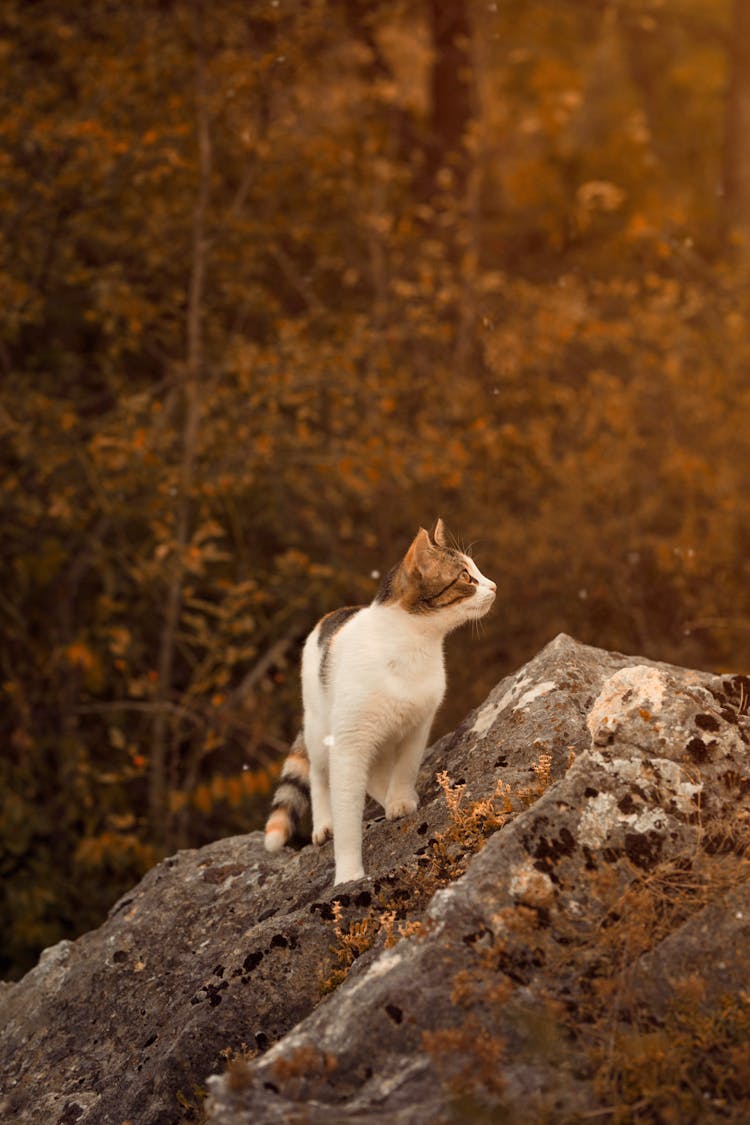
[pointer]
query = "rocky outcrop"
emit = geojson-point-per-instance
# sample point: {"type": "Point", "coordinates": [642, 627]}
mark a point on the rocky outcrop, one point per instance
{"type": "Point", "coordinates": [562, 929]}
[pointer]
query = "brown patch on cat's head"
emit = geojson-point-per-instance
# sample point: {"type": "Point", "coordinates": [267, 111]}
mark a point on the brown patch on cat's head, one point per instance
{"type": "Point", "coordinates": [431, 576]}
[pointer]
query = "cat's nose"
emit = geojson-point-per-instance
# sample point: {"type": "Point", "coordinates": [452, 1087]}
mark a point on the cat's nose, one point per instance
{"type": "Point", "coordinates": [492, 586]}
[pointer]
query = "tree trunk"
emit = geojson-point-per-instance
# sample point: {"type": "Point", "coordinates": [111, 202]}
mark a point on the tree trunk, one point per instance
{"type": "Point", "coordinates": [453, 173]}
{"type": "Point", "coordinates": [191, 396]}
{"type": "Point", "coordinates": [737, 136]}
{"type": "Point", "coordinates": [451, 87]}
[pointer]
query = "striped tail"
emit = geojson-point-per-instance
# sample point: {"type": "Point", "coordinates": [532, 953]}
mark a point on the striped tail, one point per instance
{"type": "Point", "coordinates": [291, 799]}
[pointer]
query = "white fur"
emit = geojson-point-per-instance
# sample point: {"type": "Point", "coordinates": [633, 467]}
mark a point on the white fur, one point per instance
{"type": "Point", "coordinates": [275, 840]}
{"type": "Point", "coordinates": [366, 728]}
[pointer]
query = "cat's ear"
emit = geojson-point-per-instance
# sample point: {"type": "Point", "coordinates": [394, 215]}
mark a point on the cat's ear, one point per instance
{"type": "Point", "coordinates": [419, 557]}
{"type": "Point", "coordinates": [438, 535]}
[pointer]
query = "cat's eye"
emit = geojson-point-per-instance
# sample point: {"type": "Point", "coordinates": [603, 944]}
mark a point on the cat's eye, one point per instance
{"type": "Point", "coordinates": [469, 577]}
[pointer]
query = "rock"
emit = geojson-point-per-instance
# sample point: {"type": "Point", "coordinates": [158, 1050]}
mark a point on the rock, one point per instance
{"type": "Point", "coordinates": [576, 883]}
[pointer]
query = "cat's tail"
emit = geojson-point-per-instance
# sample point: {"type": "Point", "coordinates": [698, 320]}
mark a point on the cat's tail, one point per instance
{"type": "Point", "coordinates": [291, 799]}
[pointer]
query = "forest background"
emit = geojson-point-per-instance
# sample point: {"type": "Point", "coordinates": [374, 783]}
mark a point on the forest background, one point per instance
{"type": "Point", "coordinates": [281, 280]}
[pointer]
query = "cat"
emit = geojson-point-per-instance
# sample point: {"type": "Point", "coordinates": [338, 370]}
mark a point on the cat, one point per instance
{"type": "Point", "coordinates": [372, 679]}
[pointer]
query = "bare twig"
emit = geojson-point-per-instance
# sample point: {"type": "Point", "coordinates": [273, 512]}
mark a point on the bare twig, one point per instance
{"type": "Point", "coordinates": [191, 388]}
{"type": "Point", "coordinates": [246, 688]}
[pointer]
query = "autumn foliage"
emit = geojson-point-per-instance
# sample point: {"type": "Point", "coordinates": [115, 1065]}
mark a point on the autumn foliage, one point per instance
{"type": "Point", "coordinates": [280, 282]}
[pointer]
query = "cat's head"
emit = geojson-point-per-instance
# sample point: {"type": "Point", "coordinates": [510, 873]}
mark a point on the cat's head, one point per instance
{"type": "Point", "coordinates": [435, 579]}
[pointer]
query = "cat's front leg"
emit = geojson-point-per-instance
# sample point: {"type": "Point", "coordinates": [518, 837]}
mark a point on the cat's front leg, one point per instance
{"type": "Point", "coordinates": [401, 798]}
{"type": "Point", "coordinates": [349, 769]}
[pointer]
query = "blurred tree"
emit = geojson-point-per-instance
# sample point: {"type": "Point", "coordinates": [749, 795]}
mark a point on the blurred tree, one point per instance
{"type": "Point", "coordinates": [451, 93]}
{"type": "Point", "coordinates": [192, 376]}
{"type": "Point", "coordinates": [736, 148]}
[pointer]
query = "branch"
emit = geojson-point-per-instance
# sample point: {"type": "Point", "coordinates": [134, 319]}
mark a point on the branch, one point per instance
{"type": "Point", "coordinates": [295, 278]}
{"type": "Point", "coordinates": [246, 687]}
{"type": "Point", "coordinates": [161, 705]}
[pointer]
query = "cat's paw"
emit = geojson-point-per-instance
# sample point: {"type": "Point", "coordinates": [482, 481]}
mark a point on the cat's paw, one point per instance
{"type": "Point", "coordinates": [348, 875]}
{"type": "Point", "coordinates": [321, 835]}
{"type": "Point", "coordinates": [400, 806]}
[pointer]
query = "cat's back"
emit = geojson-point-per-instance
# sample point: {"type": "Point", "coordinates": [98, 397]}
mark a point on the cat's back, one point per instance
{"type": "Point", "coordinates": [349, 642]}
{"type": "Point", "coordinates": [368, 644]}
{"type": "Point", "coordinates": [318, 651]}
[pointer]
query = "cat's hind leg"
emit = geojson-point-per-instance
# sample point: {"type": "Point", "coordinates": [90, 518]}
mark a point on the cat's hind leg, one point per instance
{"type": "Point", "coordinates": [320, 787]}
{"type": "Point", "coordinates": [320, 799]}
{"type": "Point", "coordinates": [401, 798]}
{"type": "Point", "coordinates": [380, 775]}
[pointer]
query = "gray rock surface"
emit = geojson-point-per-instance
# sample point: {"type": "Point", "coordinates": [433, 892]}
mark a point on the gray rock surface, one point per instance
{"type": "Point", "coordinates": [616, 877]}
